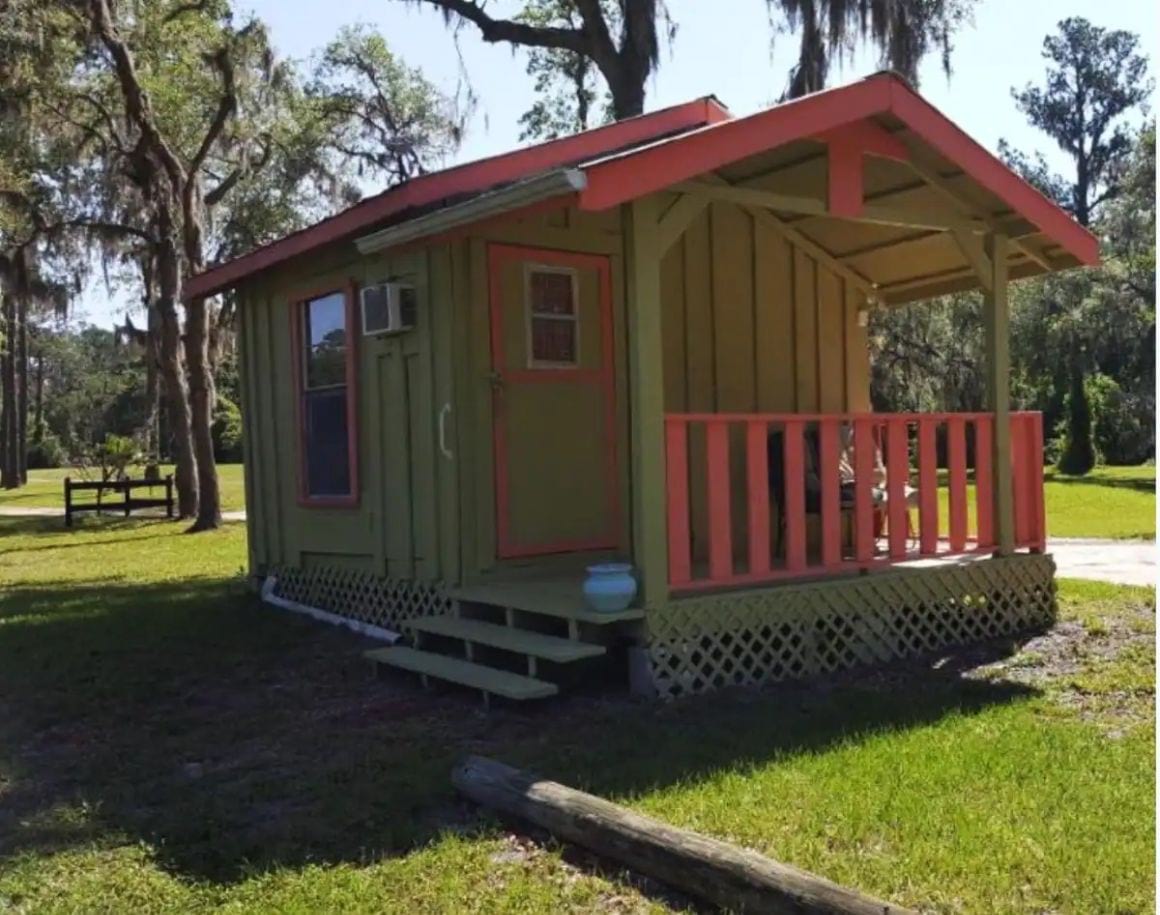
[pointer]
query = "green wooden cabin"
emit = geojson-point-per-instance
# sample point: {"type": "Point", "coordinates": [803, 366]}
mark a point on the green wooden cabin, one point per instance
{"type": "Point", "coordinates": [641, 342]}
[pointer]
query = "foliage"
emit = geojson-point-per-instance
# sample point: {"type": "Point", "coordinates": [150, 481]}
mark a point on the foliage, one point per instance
{"type": "Point", "coordinates": [385, 116]}
{"type": "Point", "coordinates": [46, 452]}
{"type": "Point", "coordinates": [1122, 428]}
{"type": "Point", "coordinates": [112, 458]}
{"type": "Point", "coordinates": [227, 432]}
{"type": "Point", "coordinates": [902, 31]}
{"type": "Point", "coordinates": [1094, 77]}
{"type": "Point", "coordinates": [567, 84]}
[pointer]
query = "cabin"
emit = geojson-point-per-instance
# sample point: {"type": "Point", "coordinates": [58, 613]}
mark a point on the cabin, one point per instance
{"type": "Point", "coordinates": [648, 343]}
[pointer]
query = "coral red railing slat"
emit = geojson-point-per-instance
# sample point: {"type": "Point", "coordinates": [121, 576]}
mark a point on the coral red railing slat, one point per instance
{"type": "Point", "coordinates": [898, 474]}
{"type": "Point", "coordinates": [927, 489]}
{"type": "Point", "coordinates": [677, 490]}
{"type": "Point", "coordinates": [757, 470]}
{"type": "Point", "coordinates": [828, 445]}
{"type": "Point", "coordinates": [984, 500]}
{"type": "Point", "coordinates": [795, 498]}
{"type": "Point", "coordinates": [814, 454]}
{"type": "Point", "coordinates": [717, 480]}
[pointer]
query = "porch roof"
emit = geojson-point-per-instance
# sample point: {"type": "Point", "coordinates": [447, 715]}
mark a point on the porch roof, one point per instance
{"type": "Point", "coordinates": [869, 178]}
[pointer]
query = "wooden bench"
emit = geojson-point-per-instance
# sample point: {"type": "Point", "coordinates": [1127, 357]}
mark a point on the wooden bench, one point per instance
{"type": "Point", "coordinates": [128, 503]}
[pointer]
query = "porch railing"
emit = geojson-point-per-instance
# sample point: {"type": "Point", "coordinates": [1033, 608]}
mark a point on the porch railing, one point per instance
{"type": "Point", "coordinates": [904, 495]}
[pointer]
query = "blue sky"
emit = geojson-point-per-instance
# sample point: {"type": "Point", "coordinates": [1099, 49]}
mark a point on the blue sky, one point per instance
{"type": "Point", "coordinates": [723, 47]}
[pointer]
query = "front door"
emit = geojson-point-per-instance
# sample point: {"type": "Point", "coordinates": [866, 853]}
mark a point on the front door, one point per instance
{"type": "Point", "coordinates": [553, 401]}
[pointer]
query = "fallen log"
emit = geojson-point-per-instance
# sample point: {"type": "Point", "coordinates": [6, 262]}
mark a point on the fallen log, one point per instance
{"type": "Point", "coordinates": [709, 869]}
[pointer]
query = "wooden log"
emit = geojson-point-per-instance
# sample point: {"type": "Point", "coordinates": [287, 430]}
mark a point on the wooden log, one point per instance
{"type": "Point", "coordinates": [734, 878]}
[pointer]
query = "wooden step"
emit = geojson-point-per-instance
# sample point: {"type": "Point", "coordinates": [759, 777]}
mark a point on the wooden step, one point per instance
{"type": "Point", "coordinates": [520, 641]}
{"type": "Point", "coordinates": [465, 673]}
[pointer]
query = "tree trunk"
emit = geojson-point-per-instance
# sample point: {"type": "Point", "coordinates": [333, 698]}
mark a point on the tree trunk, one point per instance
{"type": "Point", "coordinates": [627, 89]}
{"type": "Point", "coordinates": [9, 472]}
{"type": "Point", "coordinates": [201, 402]}
{"type": "Point", "coordinates": [22, 391]}
{"type": "Point", "coordinates": [176, 392]}
{"type": "Point", "coordinates": [38, 400]}
{"type": "Point", "coordinates": [152, 383]}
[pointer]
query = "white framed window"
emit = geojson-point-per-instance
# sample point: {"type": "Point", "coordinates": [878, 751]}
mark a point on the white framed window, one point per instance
{"type": "Point", "coordinates": [552, 302]}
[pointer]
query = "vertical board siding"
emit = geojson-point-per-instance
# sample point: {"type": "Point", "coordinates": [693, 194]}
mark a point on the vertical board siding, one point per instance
{"type": "Point", "coordinates": [753, 324]}
{"type": "Point", "coordinates": [773, 341]}
{"type": "Point", "coordinates": [805, 330]}
{"type": "Point", "coordinates": [255, 544]}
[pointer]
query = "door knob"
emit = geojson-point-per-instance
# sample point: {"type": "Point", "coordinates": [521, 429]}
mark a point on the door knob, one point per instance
{"type": "Point", "coordinates": [496, 380]}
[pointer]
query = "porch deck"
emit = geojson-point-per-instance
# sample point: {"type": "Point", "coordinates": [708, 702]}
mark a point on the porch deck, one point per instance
{"type": "Point", "coordinates": [555, 594]}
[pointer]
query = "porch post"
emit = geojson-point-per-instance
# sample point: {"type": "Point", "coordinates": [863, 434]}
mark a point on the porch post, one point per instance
{"type": "Point", "coordinates": [646, 400]}
{"type": "Point", "coordinates": [995, 319]}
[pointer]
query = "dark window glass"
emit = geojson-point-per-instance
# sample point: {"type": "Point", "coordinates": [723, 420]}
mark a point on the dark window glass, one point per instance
{"type": "Point", "coordinates": [327, 451]}
{"type": "Point", "coordinates": [325, 441]}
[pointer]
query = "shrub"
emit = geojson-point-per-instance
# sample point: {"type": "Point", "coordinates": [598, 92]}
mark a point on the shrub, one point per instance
{"type": "Point", "coordinates": [46, 453]}
{"type": "Point", "coordinates": [1122, 427]}
{"type": "Point", "coordinates": [227, 432]}
{"type": "Point", "coordinates": [1079, 454]}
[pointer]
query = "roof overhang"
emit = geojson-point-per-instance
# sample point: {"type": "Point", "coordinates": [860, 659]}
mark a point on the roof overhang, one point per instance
{"type": "Point", "coordinates": [561, 186]}
{"type": "Point", "coordinates": [448, 186]}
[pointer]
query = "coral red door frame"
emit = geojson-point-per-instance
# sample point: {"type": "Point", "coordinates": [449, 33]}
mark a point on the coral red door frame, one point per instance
{"type": "Point", "coordinates": [603, 378]}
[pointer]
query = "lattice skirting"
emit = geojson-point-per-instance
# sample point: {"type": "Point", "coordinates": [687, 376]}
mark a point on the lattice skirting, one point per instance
{"type": "Point", "coordinates": [703, 643]}
{"type": "Point", "coordinates": [386, 602]}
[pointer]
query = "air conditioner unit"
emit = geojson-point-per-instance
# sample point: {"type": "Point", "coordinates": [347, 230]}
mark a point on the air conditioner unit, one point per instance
{"type": "Point", "coordinates": [387, 308]}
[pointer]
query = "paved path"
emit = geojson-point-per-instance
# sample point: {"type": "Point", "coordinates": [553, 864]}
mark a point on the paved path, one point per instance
{"type": "Point", "coordinates": [1124, 562]}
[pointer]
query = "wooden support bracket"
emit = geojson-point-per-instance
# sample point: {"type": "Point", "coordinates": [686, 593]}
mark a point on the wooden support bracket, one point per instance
{"type": "Point", "coordinates": [677, 218]}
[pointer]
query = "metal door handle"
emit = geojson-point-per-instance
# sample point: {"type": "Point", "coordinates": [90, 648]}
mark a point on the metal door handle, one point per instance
{"type": "Point", "coordinates": [496, 380]}
{"type": "Point", "coordinates": [443, 413]}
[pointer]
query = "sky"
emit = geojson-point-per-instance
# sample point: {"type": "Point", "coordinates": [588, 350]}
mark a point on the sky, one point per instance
{"type": "Point", "coordinates": [725, 48]}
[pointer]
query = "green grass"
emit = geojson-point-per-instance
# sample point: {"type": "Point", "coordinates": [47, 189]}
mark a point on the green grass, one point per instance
{"type": "Point", "coordinates": [1117, 503]}
{"type": "Point", "coordinates": [45, 488]}
{"type": "Point", "coordinates": [168, 745]}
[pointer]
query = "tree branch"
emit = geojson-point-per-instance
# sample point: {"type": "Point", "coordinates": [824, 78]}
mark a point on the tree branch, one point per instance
{"type": "Point", "coordinates": [227, 105]}
{"type": "Point", "coordinates": [496, 30]}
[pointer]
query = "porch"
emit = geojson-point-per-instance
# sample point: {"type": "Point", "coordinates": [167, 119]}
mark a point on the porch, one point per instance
{"type": "Point", "coordinates": [761, 498]}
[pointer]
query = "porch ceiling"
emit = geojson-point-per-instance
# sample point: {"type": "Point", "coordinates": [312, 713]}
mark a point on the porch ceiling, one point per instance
{"type": "Point", "coordinates": [921, 197]}
{"type": "Point", "coordinates": [901, 262]}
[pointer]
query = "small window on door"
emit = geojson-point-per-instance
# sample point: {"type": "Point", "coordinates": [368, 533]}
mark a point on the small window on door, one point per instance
{"type": "Point", "coordinates": [553, 325]}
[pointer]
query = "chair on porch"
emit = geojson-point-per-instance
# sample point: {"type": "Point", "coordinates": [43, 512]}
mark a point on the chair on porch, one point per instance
{"type": "Point", "coordinates": [813, 488]}
{"type": "Point", "coordinates": [775, 448]}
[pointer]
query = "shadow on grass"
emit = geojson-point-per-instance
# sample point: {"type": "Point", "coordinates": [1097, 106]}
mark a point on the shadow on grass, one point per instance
{"type": "Point", "coordinates": [1139, 484]}
{"type": "Point", "coordinates": [236, 738]}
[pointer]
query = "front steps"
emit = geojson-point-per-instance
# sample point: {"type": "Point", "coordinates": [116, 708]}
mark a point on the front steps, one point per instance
{"type": "Point", "coordinates": [516, 643]}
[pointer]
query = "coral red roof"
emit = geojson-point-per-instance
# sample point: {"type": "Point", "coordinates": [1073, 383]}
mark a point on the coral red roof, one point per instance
{"type": "Point", "coordinates": [638, 156]}
{"type": "Point", "coordinates": [461, 180]}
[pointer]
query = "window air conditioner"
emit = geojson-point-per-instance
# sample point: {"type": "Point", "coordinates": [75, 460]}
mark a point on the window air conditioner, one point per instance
{"type": "Point", "coordinates": [387, 308]}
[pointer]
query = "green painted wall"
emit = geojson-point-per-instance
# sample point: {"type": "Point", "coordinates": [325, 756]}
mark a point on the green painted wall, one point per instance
{"type": "Point", "coordinates": [748, 323]}
{"type": "Point", "coordinates": [405, 524]}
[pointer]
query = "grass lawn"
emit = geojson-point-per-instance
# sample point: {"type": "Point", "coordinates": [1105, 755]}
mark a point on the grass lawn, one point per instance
{"type": "Point", "coordinates": [167, 745]}
{"type": "Point", "coordinates": [1113, 502]}
{"type": "Point", "coordinates": [45, 488]}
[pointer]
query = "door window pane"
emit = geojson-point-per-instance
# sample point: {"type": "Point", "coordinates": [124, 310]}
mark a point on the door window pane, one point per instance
{"type": "Point", "coordinates": [552, 320]}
